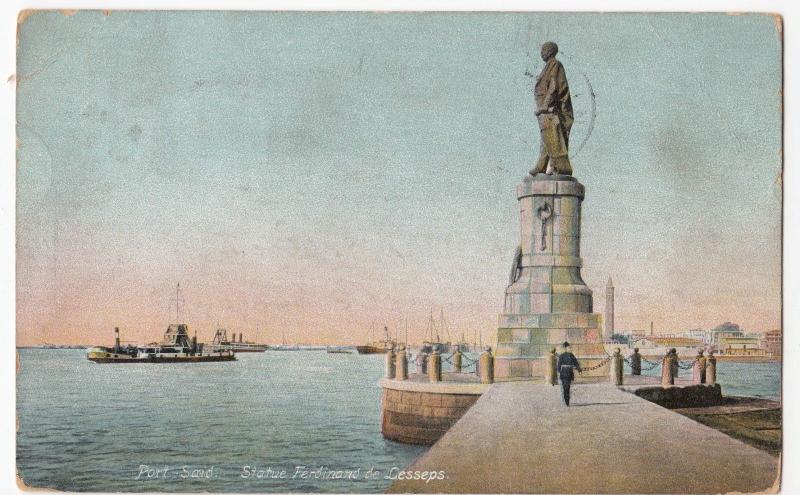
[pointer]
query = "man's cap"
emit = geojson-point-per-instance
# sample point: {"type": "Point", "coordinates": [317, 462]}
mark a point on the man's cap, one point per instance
{"type": "Point", "coordinates": [565, 344]}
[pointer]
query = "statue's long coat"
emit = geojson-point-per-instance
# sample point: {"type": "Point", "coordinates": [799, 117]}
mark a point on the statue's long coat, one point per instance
{"type": "Point", "coordinates": [552, 90]}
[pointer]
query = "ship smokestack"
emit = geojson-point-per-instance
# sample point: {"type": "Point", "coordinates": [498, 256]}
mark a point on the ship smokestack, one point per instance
{"type": "Point", "coordinates": [241, 337]}
{"type": "Point", "coordinates": [194, 344]}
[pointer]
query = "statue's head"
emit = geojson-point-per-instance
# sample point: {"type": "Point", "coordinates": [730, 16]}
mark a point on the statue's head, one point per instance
{"type": "Point", "coordinates": [549, 50]}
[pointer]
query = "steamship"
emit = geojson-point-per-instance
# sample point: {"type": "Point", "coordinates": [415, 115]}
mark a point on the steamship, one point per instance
{"type": "Point", "coordinates": [176, 347]}
{"type": "Point", "coordinates": [379, 347]}
{"type": "Point", "coordinates": [221, 342]}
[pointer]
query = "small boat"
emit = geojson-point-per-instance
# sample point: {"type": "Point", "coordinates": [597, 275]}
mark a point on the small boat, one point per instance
{"type": "Point", "coordinates": [176, 348]}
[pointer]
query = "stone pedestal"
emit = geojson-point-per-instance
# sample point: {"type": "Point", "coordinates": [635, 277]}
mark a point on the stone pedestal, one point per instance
{"type": "Point", "coordinates": [547, 301]}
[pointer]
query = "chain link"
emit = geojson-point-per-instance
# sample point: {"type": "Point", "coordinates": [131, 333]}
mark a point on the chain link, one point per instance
{"type": "Point", "coordinates": [686, 365]}
{"type": "Point", "coordinates": [598, 365]}
{"type": "Point", "coordinates": [653, 365]}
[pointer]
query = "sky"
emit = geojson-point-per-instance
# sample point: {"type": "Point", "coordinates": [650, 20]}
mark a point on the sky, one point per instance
{"type": "Point", "coordinates": [310, 176]}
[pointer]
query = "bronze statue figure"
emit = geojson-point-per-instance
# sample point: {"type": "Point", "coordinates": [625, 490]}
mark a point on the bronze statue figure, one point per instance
{"type": "Point", "coordinates": [554, 111]}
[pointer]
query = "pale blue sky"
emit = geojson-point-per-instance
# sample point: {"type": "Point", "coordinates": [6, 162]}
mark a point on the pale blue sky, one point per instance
{"type": "Point", "coordinates": [312, 173]}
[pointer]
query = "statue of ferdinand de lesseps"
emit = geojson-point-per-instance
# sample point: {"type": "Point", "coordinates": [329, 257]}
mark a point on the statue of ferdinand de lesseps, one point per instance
{"type": "Point", "coordinates": [554, 111]}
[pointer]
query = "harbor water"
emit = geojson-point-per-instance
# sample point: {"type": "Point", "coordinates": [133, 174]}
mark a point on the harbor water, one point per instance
{"type": "Point", "coordinates": [301, 421]}
{"type": "Point", "coordinates": [91, 427]}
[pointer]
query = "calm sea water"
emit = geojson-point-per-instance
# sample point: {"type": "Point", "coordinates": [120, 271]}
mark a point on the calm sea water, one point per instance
{"type": "Point", "coordinates": [90, 427]}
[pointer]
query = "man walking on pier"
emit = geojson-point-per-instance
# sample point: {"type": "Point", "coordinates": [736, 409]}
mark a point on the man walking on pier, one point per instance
{"type": "Point", "coordinates": [566, 362]}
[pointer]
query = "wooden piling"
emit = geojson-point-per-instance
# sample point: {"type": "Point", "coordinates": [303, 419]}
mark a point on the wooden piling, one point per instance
{"type": "Point", "coordinates": [401, 366]}
{"type": "Point", "coordinates": [711, 369]}
{"type": "Point", "coordinates": [435, 367]}
{"type": "Point", "coordinates": [390, 364]}
{"type": "Point", "coordinates": [487, 367]}
{"type": "Point", "coordinates": [457, 361]}
{"type": "Point", "coordinates": [551, 377]}
{"type": "Point", "coordinates": [616, 368]}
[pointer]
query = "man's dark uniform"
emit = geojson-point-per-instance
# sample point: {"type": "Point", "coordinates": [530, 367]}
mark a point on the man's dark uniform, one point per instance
{"type": "Point", "coordinates": [566, 362]}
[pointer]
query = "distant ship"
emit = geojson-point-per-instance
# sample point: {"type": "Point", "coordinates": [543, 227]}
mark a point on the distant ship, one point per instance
{"type": "Point", "coordinates": [221, 342]}
{"type": "Point", "coordinates": [380, 347]}
{"type": "Point", "coordinates": [176, 348]}
{"type": "Point", "coordinates": [432, 341]}
{"type": "Point", "coordinates": [338, 350]}
{"type": "Point", "coordinates": [284, 346]}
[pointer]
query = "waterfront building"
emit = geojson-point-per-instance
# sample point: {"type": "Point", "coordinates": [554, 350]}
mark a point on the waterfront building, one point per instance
{"type": "Point", "coordinates": [659, 346]}
{"type": "Point", "coordinates": [772, 342]}
{"type": "Point", "coordinates": [740, 346]}
{"type": "Point", "coordinates": [725, 330]}
{"type": "Point", "coordinates": [697, 334]}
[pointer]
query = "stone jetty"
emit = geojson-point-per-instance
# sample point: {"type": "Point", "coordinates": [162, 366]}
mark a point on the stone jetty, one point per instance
{"type": "Point", "coordinates": [519, 438]}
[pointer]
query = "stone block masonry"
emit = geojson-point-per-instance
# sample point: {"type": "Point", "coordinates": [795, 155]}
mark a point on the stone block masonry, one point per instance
{"type": "Point", "coordinates": [420, 413]}
{"type": "Point", "coordinates": [547, 302]}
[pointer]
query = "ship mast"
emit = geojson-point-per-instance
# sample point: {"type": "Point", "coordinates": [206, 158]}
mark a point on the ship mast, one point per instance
{"type": "Point", "coordinates": [178, 301]}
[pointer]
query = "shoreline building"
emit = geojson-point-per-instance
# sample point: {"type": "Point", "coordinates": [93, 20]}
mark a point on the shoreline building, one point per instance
{"type": "Point", "coordinates": [772, 343]}
{"type": "Point", "coordinates": [740, 346]}
{"type": "Point", "coordinates": [726, 330]}
{"type": "Point", "coordinates": [654, 347]}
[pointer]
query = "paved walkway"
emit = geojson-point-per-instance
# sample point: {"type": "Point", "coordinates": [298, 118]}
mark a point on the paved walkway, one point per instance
{"type": "Point", "coordinates": [518, 438]}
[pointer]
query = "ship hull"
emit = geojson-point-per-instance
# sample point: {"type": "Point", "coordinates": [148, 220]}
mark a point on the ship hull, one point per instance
{"type": "Point", "coordinates": [161, 360]}
{"type": "Point", "coordinates": [368, 349]}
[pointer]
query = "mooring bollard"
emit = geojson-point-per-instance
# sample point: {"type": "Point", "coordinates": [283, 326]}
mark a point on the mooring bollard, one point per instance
{"type": "Point", "coordinates": [636, 362]}
{"type": "Point", "coordinates": [457, 361]}
{"type": "Point", "coordinates": [667, 378]}
{"type": "Point", "coordinates": [711, 369]}
{"type": "Point", "coordinates": [487, 367]}
{"type": "Point", "coordinates": [390, 362]}
{"type": "Point", "coordinates": [699, 368]}
{"type": "Point", "coordinates": [435, 368]}
{"type": "Point", "coordinates": [550, 375]}
{"type": "Point", "coordinates": [401, 368]}
{"type": "Point", "coordinates": [616, 368]}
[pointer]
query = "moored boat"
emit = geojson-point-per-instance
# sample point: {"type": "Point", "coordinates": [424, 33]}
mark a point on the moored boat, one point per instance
{"type": "Point", "coordinates": [380, 347]}
{"type": "Point", "coordinates": [176, 348]}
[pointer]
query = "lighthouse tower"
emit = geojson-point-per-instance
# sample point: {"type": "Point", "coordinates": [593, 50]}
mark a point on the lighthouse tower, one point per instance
{"type": "Point", "coordinates": [608, 317]}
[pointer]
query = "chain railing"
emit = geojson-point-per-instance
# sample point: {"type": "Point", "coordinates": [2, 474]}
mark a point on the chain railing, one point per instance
{"type": "Point", "coordinates": [470, 365]}
{"type": "Point", "coordinates": [687, 365]}
{"type": "Point", "coordinates": [651, 365]}
{"type": "Point", "coordinates": [598, 365]}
